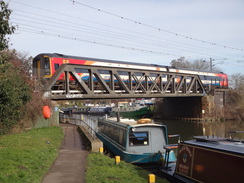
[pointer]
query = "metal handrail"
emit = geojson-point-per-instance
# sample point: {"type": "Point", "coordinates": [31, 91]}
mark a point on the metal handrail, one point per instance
{"type": "Point", "coordinates": [230, 132]}
{"type": "Point", "coordinates": [175, 135]}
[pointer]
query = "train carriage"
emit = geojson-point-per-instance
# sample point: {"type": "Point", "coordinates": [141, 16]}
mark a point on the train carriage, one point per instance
{"type": "Point", "coordinates": [134, 142]}
{"type": "Point", "coordinates": [46, 64]}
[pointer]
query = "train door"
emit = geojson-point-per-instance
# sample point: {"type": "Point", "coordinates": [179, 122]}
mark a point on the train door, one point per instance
{"type": "Point", "coordinates": [46, 67]}
{"type": "Point", "coordinates": [66, 61]}
{"type": "Point", "coordinates": [38, 68]}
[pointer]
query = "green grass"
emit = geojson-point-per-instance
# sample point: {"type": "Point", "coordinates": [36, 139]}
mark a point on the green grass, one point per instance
{"type": "Point", "coordinates": [102, 169]}
{"type": "Point", "coordinates": [26, 157]}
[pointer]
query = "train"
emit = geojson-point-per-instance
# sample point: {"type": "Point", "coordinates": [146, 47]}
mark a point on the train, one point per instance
{"type": "Point", "coordinates": [46, 64]}
{"type": "Point", "coordinates": [137, 142]}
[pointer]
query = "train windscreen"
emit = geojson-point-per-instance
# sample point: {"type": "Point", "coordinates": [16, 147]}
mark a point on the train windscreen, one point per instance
{"type": "Point", "coordinates": [47, 66]}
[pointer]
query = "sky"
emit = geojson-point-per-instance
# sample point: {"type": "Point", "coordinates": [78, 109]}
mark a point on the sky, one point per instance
{"type": "Point", "coordinates": [143, 31]}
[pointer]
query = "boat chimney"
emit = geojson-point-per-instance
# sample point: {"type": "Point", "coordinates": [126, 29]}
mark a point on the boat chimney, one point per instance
{"type": "Point", "coordinates": [117, 115]}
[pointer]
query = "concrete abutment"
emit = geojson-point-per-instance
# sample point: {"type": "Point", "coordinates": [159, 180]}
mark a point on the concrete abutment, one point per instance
{"type": "Point", "coordinates": [206, 107]}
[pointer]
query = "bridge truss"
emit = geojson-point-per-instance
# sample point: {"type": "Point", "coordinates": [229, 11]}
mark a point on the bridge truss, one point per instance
{"type": "Point", "coordinates": [98, 82]}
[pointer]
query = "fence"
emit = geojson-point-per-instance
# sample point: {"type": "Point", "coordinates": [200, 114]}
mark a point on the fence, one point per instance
{"type": "Point", "coordinates": [88, 122]}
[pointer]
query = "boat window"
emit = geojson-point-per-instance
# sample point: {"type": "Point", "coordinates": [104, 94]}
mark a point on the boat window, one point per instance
{"type": "Point", "coordinates": [139, 139]}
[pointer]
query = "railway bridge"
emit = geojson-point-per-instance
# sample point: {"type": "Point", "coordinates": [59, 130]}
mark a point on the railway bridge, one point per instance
{"type": "Point", "coordinates": [107, 83]}
{"type": "Point", "coordinates": [184, 94]}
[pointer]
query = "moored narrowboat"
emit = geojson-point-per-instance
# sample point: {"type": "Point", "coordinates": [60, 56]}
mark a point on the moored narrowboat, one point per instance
{"type": "Point", "coordinates": [210, 159]}
{"type": "Point", "coordinates": [134, 142]}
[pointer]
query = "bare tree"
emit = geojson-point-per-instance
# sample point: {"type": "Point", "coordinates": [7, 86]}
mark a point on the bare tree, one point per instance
{"type": "Point", "coordinates": [199, 64]}
{"type": "Point", "coordinates": [237, 81]}
{"type": "Point", "coordinates": [180, 62]}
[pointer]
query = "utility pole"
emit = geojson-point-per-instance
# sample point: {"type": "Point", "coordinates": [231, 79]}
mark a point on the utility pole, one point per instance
{"type": "Point", "coordinates": [211, 64]}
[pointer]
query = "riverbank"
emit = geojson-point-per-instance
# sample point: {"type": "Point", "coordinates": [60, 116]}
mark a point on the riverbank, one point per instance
{"type": "Point", "coordinates": [101, 168]}
{"type": "Point", "coordinates": [28, 156]}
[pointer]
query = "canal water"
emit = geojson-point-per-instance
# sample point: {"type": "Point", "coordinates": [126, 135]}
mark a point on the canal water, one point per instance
{"type": "Point", "coordinates": [187, 130]}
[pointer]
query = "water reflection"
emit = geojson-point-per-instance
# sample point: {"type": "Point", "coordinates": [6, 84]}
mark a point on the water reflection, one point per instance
{"type": "Point", "coordinates": [189, 129]}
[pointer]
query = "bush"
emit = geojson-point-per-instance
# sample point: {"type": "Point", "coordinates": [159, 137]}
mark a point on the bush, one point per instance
{"type": "Point", "coordinates": [20, 103]}
{"type": "Point", "coordinates": [14, 94]}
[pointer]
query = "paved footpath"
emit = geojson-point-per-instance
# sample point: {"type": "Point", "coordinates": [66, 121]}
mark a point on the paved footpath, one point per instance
{"type": "Point", "coordinates": [70, 165]}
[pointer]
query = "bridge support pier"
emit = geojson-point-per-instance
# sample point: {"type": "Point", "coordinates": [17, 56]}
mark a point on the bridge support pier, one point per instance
{"type": "Point", "coordinates": [180, 107]}
{"type": "Point", "coordinates": [209, 106]}
{"type": "Point", "coordinates": [213, 103]}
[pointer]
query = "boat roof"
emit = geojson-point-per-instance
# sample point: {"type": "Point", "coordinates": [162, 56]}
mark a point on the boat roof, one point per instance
{"type": "Point", "coordinates": [221, 144]}
{"type": "Point", "coordinates": [129, 122]}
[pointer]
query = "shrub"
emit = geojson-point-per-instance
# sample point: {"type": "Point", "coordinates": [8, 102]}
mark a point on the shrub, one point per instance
{"type": "Point", "coordinates": [14, 94]}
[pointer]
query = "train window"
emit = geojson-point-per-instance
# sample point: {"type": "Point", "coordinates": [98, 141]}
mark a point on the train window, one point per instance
{"type": "Point", "coordinates": [47, 65]}
{"type": "Point", "coordinates": [79, 70]}
{"type": "Point", "coordinates": [56, 66]}
{"type": "Point", "coordinates": [138, 139]}
{"type": "Point", "coordinates": [153, 75]}
{"type": "Point", "coordinates": [103, 72]}
{"type": "Point", "coordinates": [123, 73]}
{"type": "Point", "coordinates": [202, 77]}
{"type": "Point", "coordinates": [139, 74]}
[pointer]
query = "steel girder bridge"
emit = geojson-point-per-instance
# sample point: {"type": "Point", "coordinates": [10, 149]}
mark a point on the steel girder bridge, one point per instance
{"type": "Point", "coordinates": [96, 82]}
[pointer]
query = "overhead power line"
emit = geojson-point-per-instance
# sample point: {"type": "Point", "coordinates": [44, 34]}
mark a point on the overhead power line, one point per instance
{"type": "Point", "coordinates": [34, 18]}
{"type": "Point", "coordinates": [156, 28]}
{"type": "Point", "coordinates": [54, 24]}
{"type": "Point", "coordinates": [94, 42]}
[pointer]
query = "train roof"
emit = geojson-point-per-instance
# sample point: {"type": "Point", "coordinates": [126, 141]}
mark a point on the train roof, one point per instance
{"type": "Point", "coordinates": [58, 55]}
{"type": "Point", "coordinates": [197, 70]}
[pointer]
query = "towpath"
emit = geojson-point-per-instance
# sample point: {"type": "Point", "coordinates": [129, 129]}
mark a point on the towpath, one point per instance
{"type": "Point", "coordinates": [70, 165]}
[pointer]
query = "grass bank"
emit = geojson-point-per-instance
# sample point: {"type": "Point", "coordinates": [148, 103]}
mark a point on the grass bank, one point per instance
{"type": "Point", "coordinates": [102, 169]}
{"type": "Point", "coordinates": [26, 157]}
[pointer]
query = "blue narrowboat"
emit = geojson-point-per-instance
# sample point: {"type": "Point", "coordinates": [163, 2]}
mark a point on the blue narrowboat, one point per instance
{"type": "Point", "coordinates": [135, 141]}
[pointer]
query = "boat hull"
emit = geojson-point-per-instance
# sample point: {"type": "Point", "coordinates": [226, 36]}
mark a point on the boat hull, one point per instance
{"type": "Point", "coordinates": [210, 161]}
{"type": "Point", "coordinates": [133, 157]}
{"type": "Point", "coordinates": [142, 112]}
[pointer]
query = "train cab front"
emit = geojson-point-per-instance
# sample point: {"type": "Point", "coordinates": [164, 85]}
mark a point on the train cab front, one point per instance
{"type": "Point", "coordinates": [42, 67]}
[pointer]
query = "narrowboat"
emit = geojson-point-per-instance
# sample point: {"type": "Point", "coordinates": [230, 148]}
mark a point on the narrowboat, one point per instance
{"type": "Point", "coordinates": [141, 112]}
{"type": "Point", "coordinates": [210, 159]}
{"type": "Point", "coordinates": [134, 141]}
{"type": "Point", "coordinates": [99, 110]}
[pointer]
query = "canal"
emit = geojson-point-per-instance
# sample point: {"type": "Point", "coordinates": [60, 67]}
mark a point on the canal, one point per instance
{"type": "Point", "coordinates": [189, 129]}
{"type": "Point", "coordinates": [185, 129]}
